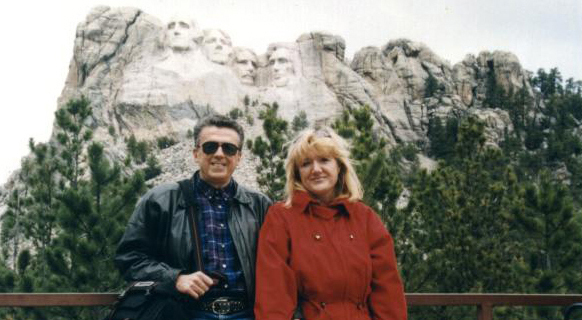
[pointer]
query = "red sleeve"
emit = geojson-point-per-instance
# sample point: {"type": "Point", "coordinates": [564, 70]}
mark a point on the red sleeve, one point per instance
{"type": "Point", "coordinates": [276, 294]}
{"type": "Point", "coordinates": [387, 300]}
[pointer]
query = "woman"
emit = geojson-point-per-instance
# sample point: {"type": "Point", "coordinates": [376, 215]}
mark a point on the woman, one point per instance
{"type": "Point", "coordinates": [323, 249]}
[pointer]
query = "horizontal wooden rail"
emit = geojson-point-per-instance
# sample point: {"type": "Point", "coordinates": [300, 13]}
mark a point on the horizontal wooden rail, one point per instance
{"type": "Point", "coordinates": [495, 299]}
{"type": "Point", "coordinates": [485, 302]}
{"type": "Point", "coordinates": [56, 299]}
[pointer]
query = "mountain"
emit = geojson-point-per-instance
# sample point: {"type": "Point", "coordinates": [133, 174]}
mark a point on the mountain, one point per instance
{"type": "Point", "coordinates": [154, 79]}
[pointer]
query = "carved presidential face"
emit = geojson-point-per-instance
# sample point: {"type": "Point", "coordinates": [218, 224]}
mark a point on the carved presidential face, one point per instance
{"type": "Point", "coordinates": [281, 64]}
{"type": "Point", "coordinates": [179, 34]}
{"type": "Point", "coordinates": [245, 66]}
{"type": "Point", "coordinates": [217, 46]}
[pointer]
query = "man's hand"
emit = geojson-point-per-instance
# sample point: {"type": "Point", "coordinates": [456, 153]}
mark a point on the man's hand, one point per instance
{"type": "Point", "coordinates": [194, 285]}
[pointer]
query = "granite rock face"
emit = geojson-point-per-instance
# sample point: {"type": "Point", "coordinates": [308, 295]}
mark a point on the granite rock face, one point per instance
{"type": "Point", "coordinates": [152, 78]}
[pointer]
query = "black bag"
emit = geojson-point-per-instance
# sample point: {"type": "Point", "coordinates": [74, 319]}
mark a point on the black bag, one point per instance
{"type": "Point", "coordinates": [141, 301]}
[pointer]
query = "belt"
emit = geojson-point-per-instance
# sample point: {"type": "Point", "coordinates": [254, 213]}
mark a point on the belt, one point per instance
{"type": "Point", "coordinates": [223, 305]}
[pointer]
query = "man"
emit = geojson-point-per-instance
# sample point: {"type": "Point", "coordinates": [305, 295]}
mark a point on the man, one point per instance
{"type": "Point", "coordinates": [217, 46]}
{"type": "Point", "coordinates": [281, 64]}
{"type": "Point", "coordinates": [181, 34]}
{"type": "Point", "coordinates": [157, 244]}
{"type": "Point", "coordinates": [245, 65]}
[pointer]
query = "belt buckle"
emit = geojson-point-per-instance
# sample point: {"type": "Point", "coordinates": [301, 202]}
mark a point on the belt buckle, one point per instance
{"type": "Point", "coordinates": [218, 305]}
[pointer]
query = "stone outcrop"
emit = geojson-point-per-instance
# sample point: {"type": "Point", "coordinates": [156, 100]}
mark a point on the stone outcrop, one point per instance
{"type": "Point", "coordinates": [152, 78]}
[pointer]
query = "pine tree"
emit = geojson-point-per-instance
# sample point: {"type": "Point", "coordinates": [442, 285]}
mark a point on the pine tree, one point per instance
{"type": "Point", "coordinates": [549, 83]}
{"type": "Point", "coordinates": [443, 138]}
{"type": "Point", "coordinates": [431, 86]}
{"type": "Point", "coordinates": [69, 222]}
{"type": "Point", "coordinates": [72, 136]}
{"type": "Point", "coordinates": [375, 169]}
{"type": "Point", "coordinates": [272, 152]}
{"type": "Point", "coordinates": [461, 213]}
{"type": "Point", "coordinates": [554, 236]}
{"type": "Point", "coordinates": [300, 121]}
{"type": "Point", "coordinates": [495, 95]}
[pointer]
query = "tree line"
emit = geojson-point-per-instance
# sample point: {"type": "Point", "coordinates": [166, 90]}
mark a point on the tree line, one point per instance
{"type": "Point", "coordinates": [486, 219]}
{"type": "Point", "coordinates": [504, 219]}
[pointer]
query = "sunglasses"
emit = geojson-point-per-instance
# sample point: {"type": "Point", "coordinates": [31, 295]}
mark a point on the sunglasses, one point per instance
{"type": "Point", "coordinates": [210, 147]}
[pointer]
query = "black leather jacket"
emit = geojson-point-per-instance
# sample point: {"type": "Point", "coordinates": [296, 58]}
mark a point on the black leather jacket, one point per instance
{"type": "Point", "coordinates": [157, 243]}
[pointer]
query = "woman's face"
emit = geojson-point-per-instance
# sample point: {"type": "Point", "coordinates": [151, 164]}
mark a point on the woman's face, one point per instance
{"type": "Point", "coordinates": [319, 176]}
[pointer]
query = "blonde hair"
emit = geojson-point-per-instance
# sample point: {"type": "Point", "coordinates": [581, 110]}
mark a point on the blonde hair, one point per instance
{"type": "Point", "coordinates": [322, 142]}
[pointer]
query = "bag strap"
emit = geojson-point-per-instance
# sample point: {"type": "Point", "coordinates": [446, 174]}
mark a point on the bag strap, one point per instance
{"type": "Point", "coordinates": [187, 188]}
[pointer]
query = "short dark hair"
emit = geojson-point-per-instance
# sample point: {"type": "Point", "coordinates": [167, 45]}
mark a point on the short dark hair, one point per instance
{"type": "Point", "coordinates": [220, 121]}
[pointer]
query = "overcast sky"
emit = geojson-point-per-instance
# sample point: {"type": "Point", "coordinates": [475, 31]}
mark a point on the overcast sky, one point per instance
{"type": "Point", "coordinates": [37, 40]}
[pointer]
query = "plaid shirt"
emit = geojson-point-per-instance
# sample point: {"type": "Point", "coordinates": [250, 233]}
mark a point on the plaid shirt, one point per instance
{"type": "Point", "coordinates": [218, 251]}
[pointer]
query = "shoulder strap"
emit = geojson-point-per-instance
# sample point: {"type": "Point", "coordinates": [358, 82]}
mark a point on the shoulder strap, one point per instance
{"type": "Point", "coordinates": [187, 188]}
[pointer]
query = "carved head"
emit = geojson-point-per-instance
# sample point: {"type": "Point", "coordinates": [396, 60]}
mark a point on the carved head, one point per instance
{"type": "Point", "coordinates": [217, 46]}
{"type": "Point", "coordinates": [181, 34]}
{"type": "Point", "coordinates": [245, 65]}
{"type": "Point", "coordinates": [281, 64]}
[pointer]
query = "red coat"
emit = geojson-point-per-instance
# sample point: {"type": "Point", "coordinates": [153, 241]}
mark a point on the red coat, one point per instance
{"type": "Point", "coordinates": [339, 263]}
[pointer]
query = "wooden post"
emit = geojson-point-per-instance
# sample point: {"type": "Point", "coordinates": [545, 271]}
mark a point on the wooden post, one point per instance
{"type": "Point", "coordinates": [485, 311]}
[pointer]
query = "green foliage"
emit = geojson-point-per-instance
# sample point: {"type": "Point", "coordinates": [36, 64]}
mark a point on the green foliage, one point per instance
{"type": "Point", "coordinates": [72, 136]}
{"type": "Point", "coordinates": [431, 86]}
{"type": "Point", "coordinates": [554, 237]}
{"type": "Point", "coordinates": [357, 125]}
{"type": "Point", "coordinates": [63, 226]}
{"type": "Point", "coordinates": [548, 83]}
{"type": "Point", "coordinates": [495, 96]}
{"type": "Point", "coordinates": [235, 113]}
{"type": "Point", "coordinates": [23, 261]}
{"type": "Point", "coordinates": [485, 220]}
{"type": "Point", "coordinates": [453, 214]}
{"type": "Point", "coordinates": [442, 138]}
{"type": "Point", "coordinates": [250, 119]}
{"type": "Point", "coordinates": [377, 173]}
{"type": "Point", "coordinates": [138, 150]}
{"type": "Point", "coordinates": [300, 121]}
{"type": "Point", "coordinates": [271, 152]}
{"type": "Point", "coordinates": [165, 142]}
{"type": "Point", "coordinates": [153, 168]}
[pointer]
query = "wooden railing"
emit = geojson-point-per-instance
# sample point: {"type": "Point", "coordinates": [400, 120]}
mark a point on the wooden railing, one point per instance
{"type": "Point", "coordinates": [485, 302]}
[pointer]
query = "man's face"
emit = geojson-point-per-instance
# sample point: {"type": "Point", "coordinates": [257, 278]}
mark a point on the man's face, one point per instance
{"type": "Point", "coordinates": [179, 34]}
{"type": "Point", "coordinates": [281, 67]}
{"type": "Point", "coordinates": [245, 67]}
{"type": "Point", "coordinates": [217, 47]}
{"type": "Point", "coordinates": [217, 168]}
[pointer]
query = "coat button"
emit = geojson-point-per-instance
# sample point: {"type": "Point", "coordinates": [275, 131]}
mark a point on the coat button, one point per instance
{"type": "Point", "coordinates": [323, 305]}
{"type": "Point", "coordinates": [360, 306]}
{"type": "Point", "coordinates": [317, 236]}
{"type": "Point", "coordinates": [351, 237]}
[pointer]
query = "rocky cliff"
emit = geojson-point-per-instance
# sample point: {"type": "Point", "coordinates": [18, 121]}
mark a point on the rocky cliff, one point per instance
{"type": "Point", "coordinates": [152, 78]}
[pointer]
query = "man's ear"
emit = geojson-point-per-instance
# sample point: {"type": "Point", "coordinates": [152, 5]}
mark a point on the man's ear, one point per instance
{"type": "Point", "coordinates": [195, 153]}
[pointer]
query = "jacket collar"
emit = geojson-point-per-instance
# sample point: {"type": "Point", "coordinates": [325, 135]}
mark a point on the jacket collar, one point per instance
{"type": "Point", "coordinates": [241, 194]}
{"type": "Point", "coordinates": [301, 200]}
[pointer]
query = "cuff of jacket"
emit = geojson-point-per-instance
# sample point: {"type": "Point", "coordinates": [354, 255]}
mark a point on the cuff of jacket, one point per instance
{"type": "Point", "coordinates": [168, 286]}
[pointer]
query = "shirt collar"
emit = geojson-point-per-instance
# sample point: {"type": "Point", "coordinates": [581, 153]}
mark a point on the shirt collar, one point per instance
{"type": "Point", "coordinates": [205, 189]}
